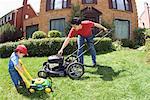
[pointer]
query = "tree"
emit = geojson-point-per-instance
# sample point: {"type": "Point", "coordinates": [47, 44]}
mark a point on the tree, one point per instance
{"type": "Point", "coordinates": [9, 32]}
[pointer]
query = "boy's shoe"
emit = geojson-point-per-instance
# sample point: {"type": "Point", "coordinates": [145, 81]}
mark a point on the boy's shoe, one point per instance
{"type": "Point", "coordinates": [19, 88]}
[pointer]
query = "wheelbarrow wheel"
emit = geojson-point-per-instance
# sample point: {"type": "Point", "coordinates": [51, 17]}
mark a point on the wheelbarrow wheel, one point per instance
{"type": "Point", "coordinates": [75, 70]}
{"type": "Point", "coordinates": [42, 74]}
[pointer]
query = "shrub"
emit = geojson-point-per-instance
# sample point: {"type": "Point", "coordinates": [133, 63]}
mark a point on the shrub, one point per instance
{"type": "Point", "coordinates": [147, 44]}
{"type": "Point", "coordinates": [116, 45]}
{"type": "Point", "coordinates": [9, 32]}
{"type": "Point", "coordinates": [147, 33]}
{"type": "Point", "coordinates": [39, 35]}
{"type": "Point", "coordinates": [139, 36]}
{"type": "Point", "coordinates": [127, 43]}
{"type": "Point", "coordinates": [54, 34]}
{"type": "Point", "coordinates": [49, 46]}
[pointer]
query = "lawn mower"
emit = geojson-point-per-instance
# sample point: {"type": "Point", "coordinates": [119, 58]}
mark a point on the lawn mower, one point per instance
{"type": "Point", "coordinates": [37, 84]}
{"type": "Point", "coordinates": [58, 66]}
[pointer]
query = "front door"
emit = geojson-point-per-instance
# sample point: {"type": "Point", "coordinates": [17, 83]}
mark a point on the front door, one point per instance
{"type": "Point", "coordinates": [30, 30]}
{"type": "Point", "coordinates": [92, 14]}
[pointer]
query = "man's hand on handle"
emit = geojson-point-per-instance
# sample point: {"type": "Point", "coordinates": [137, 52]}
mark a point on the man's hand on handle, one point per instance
{"type": "Point", "coordinates": [60, 52]}
{"type": "Point", "coordinates": [105, 29]}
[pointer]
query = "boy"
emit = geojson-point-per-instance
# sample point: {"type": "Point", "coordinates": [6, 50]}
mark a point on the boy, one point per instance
{"type": "Point", "coordinates": [84, 31]}
{"type": "Point", "coordinates": [19, 52]}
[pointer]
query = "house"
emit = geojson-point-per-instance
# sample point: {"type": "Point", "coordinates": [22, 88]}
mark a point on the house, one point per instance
{"type": "Point", "coordinates": [55, 13]}
{"type": "Point", "coordinates": [16, 17]}
{"type": "Point", "coordinates": [144, 18]}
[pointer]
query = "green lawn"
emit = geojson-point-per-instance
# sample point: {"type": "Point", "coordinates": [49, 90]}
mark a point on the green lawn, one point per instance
{"type": "Point", "coordinates": [120, 75]}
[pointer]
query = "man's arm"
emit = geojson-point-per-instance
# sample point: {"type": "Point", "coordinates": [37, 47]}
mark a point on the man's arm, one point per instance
{"type": "Point", "coordinates": [64, 45]}
{"type": "Point", "coordinates": [100, 26]}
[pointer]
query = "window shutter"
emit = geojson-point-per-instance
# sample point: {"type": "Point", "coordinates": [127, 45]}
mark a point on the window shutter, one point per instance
{"type": "Point", "coordinates": [83, 1]}
{"type": "Point", "coordinates": [48, 5]}
{"type": "Point", "coordinates": [130, 5]}
{"type": "Point", "coordinates": [63, 4]}
{"type": "Point", "coordinates": [95, 1]}
{"type": "Point", "coordinates": [68, 3]}
{"type": "Point", "coordinates": [110, 4]}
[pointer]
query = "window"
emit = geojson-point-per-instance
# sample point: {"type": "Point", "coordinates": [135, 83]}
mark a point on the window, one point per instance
{"type": "Point", "coordinates": [26, 16]}
{"type": "Point", "coordinates": [65, 4]}
{"type": "Point", "coordinates": [58, 4]}
{"type": "Point", "coordinates": [3, 20]}
{"type": "Point", "coordinates": [9, 17]}
{"type": "Point", "coordinates": [57, 24]}
{"type": "Point", "coordinates": [120, 4]}
{"type": "Point", "coordinates": [126, 5]}
{"type": "Point", "coordinates": [89, 1]}
{"type": "Point", "coordinates": [114, 4]}
{"type": "Point", "coordinates": [122, 29]}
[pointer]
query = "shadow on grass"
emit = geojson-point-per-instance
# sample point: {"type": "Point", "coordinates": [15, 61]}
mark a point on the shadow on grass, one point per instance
{"type": "Point", "coordinates": [36, 95]}
{"type": "Point", "coordinates": [84, 78]}
{"type": "Point", "coordinates": [106, 73]}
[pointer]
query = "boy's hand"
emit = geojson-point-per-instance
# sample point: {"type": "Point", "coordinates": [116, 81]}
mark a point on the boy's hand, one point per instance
{"type": "Point", "coordinates": [21, 69]}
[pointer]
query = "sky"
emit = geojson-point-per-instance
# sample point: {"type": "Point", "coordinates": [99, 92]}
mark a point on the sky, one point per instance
{"type": "Point", "coordinates": [9, 5]}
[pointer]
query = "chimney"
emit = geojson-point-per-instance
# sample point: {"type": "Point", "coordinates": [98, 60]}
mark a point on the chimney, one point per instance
{"type": "Point", "coordinates": [25, 2]}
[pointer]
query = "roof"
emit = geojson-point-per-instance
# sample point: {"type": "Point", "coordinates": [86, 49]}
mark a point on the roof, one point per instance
{"type": "Point", "coordinates": [13, 11]}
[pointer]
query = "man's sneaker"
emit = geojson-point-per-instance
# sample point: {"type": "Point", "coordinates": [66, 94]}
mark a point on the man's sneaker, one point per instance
{"type": "Point", "coordinates": [94, 65]}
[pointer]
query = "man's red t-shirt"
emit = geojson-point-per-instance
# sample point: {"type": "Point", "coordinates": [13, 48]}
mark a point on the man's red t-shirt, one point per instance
{"type": "Point", "coordinates": [85, 31]}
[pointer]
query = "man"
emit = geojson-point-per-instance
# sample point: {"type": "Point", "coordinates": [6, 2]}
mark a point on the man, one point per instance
{"type": "Point", "coordinates": [84, 31]}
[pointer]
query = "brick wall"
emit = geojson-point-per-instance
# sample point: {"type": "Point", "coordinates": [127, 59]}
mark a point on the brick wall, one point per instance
{"type": "Point", "coordinates": [102, 5]}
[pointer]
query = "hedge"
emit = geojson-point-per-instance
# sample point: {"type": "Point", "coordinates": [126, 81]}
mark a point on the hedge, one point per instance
{"type": "Point", "coordinates": [50, 46]}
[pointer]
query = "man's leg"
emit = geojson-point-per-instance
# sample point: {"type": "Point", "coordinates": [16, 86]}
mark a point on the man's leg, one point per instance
{"type": "Point", "coordinates": [90, 43]}
{"type": "Point", "coordinates": [80, 50]}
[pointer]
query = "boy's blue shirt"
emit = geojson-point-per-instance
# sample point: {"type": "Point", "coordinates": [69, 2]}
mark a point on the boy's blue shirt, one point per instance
{"type": "Point", "coordinates": [14, 61]}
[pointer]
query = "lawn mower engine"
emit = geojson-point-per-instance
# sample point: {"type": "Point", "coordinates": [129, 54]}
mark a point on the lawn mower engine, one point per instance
{"type": "Point", "coordinates": [57, 66]}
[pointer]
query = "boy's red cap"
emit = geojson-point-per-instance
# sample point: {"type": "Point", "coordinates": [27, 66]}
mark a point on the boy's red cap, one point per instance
{"type": "Point", "coordinates": [22, 49]}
